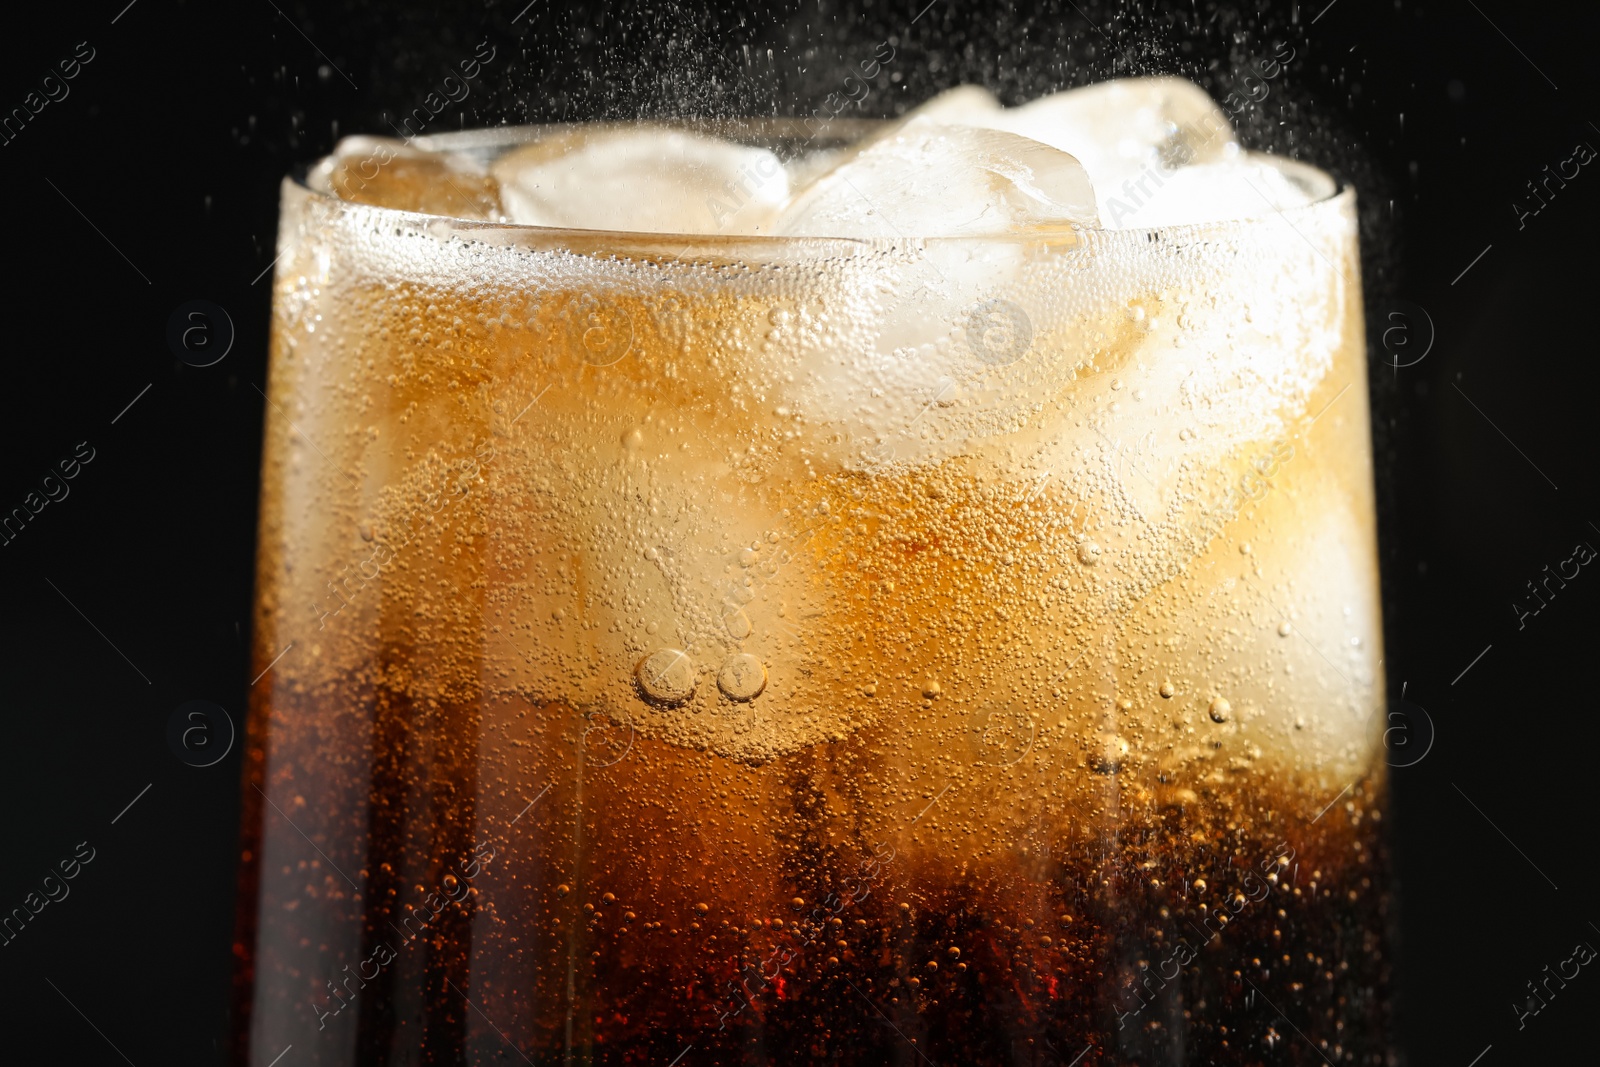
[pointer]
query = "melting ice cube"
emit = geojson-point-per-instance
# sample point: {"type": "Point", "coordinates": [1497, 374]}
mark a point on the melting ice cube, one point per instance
{"type": "Point", "coordinates": [644, 179]}
{"type": "Point", "coordinates": [932, 180]}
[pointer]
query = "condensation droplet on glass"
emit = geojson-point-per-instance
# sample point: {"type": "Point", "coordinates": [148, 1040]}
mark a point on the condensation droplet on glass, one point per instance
{"type": "Point", "coordinates": [666, 676]}
{"type": "Point", "coordinates": [742, 677]}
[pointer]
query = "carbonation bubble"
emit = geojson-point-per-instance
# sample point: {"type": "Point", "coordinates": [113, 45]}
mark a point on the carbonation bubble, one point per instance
{"type": "Point", "coordinates": [1108, 754]}
{"type": "Point", "coordinates": [1088, 553]}
{"type": "Point", "coordinates": [742, 677]}
{"type": "Point", "coordinates": [1220, 710]}
{"type": "Point", "coordinates": [666, 676]}
{"type": "Point", "coordinates": [1167, 690]}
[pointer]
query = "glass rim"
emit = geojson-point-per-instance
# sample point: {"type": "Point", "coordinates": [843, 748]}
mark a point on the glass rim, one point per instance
{"type": "Point", "coordinates": [486, 142]}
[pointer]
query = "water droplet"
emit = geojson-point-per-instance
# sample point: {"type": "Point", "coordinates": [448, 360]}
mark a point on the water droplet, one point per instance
{"type": "Point", "coordinates": [1167, 690]}
{"type": "Point", "coordinates": [931, 689]}
{"type": "Point", "coordinates": [870, 689]}
{"type": "Point", "coordinates": [1220, 710]}
{"type": "Point", "coordinates": [742, 677]}
{"type": "Point", "coordinates": [1244, 549]}
{"type": "Point", "coordinates": [1088, 553]}
{"type": "Point", "coordinates": [797, 903]}
{"type": "Point", "coordinates": [738, 624]}
{"type": "Point", "coordinates": [666, 676]}
{"type": "Point", "coordinates": [747, 556]}
{"type": "Point", "coordinates": [633, 439]}
{"type": "Point", "coordinates": [608, 898]}
{"type": "Point", "coordinates": [1284, 629]}
{"type": "Point", "coordinates": [702, 908]}
{"type": "Point", "coordinates": [563, 889]}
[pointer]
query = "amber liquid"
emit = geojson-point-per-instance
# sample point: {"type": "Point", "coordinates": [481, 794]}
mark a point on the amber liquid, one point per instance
{"type": "Point", "coordinates": [618, 900]}
{"type": "Point", "coordinates": [1028, 718]}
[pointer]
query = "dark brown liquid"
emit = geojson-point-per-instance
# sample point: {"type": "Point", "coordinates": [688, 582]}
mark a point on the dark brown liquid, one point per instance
{"type": "Point", "coordinates": [624, 901]}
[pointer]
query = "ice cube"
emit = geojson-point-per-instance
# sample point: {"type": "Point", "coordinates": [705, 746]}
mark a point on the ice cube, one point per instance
{"type": "Point", "coordinates": [387, 172]}
{"type": "Point", "coordinates": [1129, 134]}
{"type": "Point", "coordinates": [965, 105]}
{"type": "Point", "coordinates": [1242, 188]}
{"type": "Point", "coordinates": [644, 179]}
{"type": "Point", "coordinates": [933, 180]}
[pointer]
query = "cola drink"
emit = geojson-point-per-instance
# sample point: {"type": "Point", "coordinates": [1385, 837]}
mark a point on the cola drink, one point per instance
{"type": "Point", "coordinates": [707, 627]}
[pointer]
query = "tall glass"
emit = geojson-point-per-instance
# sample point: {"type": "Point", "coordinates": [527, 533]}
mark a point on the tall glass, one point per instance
{"type": "Point", "coordinates": [728, 650]}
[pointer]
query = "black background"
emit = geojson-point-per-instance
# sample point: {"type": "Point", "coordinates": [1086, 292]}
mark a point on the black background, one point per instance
{"type": "Point", "coordinates": [155, 182]}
